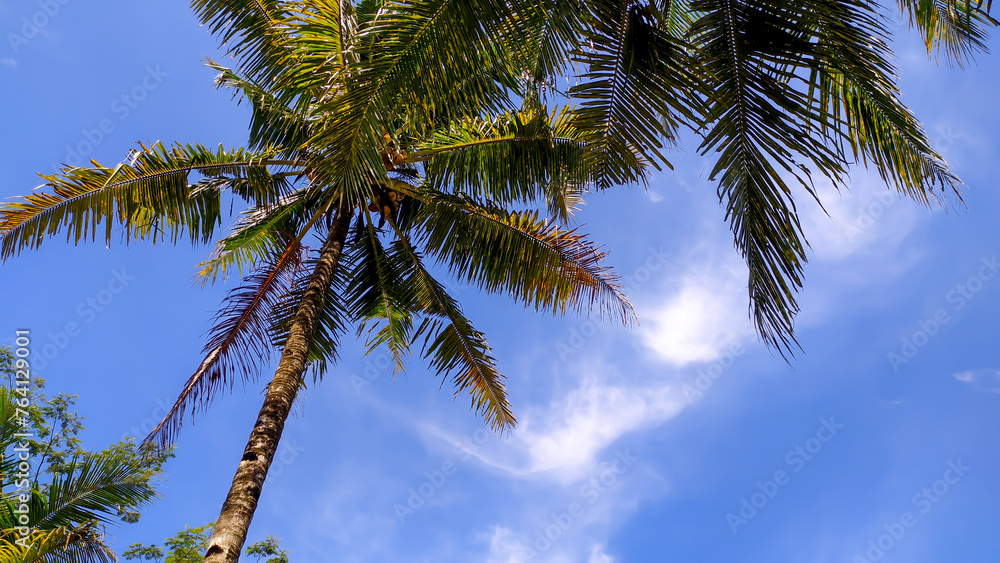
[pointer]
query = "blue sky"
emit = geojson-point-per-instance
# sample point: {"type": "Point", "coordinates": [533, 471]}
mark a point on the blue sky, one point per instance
{"type": "Point", "coordinates": [681, 440]}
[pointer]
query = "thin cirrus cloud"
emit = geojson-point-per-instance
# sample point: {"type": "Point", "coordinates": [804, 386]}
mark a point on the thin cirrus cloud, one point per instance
{"type": "Point", "coordinates": [563, 440]}
{"type": "Point", "coordinates": [982, 379]}
{"type": "Point", "coordinates": [569, 434]}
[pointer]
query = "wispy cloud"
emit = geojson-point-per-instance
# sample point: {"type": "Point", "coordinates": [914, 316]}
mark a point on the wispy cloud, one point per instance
{"type": "Point", "coordinates": [568, 434]}
{"type": "Point", "coordinates": [982, 379]}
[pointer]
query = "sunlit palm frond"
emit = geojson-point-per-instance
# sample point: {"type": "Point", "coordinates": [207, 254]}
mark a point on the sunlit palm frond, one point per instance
{"type": "Point", "coordinates": [516, 157]}
{"type": "Point", "coordinates": [253, 31]}
{"type": "Point", "coordinates": [957, 28]}
{"type": "Point", "coordinates": [92, 489]}
{"type": "Point", "coordinates": [275, 122]}
{"type": "Point", "coordinates": [854, 78]}
{"type": "Point", "coordinates": [409, 58]}
{"type": "Point", "coordinates": [79, 544]}
{"type": "Point", "coordinates": [521, 255]}
{"type": "Point", "coordinates": [675, 16]}
{"type": "Point", "coordinates": [323, 49]}
{"type": "Point", "coordinates": [256, 236]}
{"type": "Point", "coordinates": [454, 347]}
{"type": "Point", "coordinates": [551, 30]}
{"type": "Point", "coordinates": [149, 197]}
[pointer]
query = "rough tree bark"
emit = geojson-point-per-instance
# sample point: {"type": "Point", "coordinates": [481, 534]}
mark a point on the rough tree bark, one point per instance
{"type": "Point", "coordinates": [231, 529]}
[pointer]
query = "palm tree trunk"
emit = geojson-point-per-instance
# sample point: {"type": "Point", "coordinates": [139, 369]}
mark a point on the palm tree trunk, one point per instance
{"type": "Point", "coordinates": [231, 529]}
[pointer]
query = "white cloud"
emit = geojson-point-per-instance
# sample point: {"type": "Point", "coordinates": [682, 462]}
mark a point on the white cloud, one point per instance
{"type": "Point", "coordinates": [568, 434]}
{"type": "Point", "coordinates": [563, 439]}
{"type": "Point", "coordinates": [699, 316]}
{"type": "Point", "coordinates": [982, 379]}
{"type": "Point", "coordinates": [597, 555]}
{"type": "Point", "coordinates": [8, 63]}
{"type": "Point", "coordinates": [505, 547]}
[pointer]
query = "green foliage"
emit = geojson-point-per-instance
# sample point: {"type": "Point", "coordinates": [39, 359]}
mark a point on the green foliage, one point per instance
{"type": "Point", "coordinates": [190, 544]}
{"type": "Point", "coordinates": [269, 547]}
{"type": "Point", "coordinates": [435, 122]}
{"type": "Point", "coordinates": [71, 494]}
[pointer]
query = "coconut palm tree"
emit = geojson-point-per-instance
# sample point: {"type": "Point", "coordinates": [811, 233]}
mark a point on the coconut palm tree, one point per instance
{"type": "Point", "coordinates": [431, 183]}
{"type": "Point", "coordinates": [398, 130]}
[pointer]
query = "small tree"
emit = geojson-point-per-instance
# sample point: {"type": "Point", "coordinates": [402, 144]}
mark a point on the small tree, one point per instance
{"type": "Point", "coordinates": [56, 498]}
{"type": "Point", "coordinates": [188, 545]}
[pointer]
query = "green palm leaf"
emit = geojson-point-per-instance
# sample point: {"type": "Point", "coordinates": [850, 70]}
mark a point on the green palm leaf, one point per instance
{"type": "Point", "coordinates": [519, 254]}
{"type": "Point", "coordinates": [758, 126]}
{"type": "Point", "coordinates": [149, 197]}
{"type": "Point", "coordinates": [853, 79]}
{"type": "Point", "coordinates": [635, 90]}
{"type": "Point", "coordinates": [508, 157]}
{"type": "Point", "coordinates": [256, 236]}
{"type": "Point", "coordinates": [239, 342]}
{"type": "Point", "coordinates": [454, 347]}
{"type": "Point", "coordinates": [254, 31]}
{"type": "Point", "coordinates": [381, 300]}
{"type": "Point", "coordinates": [958, 28]}
{"type": "Point", "coordinates": [413, 61]}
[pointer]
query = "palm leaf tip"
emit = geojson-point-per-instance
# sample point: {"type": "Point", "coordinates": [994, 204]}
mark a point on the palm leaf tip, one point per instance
{"type": "Point", "coordinates": [240, 341]}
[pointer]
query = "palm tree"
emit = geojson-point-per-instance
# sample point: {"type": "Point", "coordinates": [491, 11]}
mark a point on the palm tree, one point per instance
{"type": "Point", "coordinates": [432, 182]}
{"type": "Point", "coordinates": [431, 117]}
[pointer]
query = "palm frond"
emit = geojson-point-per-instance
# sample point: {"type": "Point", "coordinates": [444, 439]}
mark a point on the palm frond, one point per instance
{"type": "Point", "coordinates": [252, 31]}
{"type": "Point", "coordinates": [853, 80]}
{"type": "Point", "coordinates": [324, 48]}
{"type": "Point", "coordinates": [519, 254]}
{"type": "Point", "coordinates": [239, 342]}
{"type": "Point", "coordinates": [149, 197]}
{"type": "Point", "coordinates": [410, 67]}
{"type": "Point", "coordinates": [633, 92]}
{"type": "Point", "coordinates": [957, 28]}
{"type": "Point", "coordinates": [333, 317]}
{"type": "Point", "coordinates": [381, 300]}
{"type": "Point", "coordinates": [759, 124]}
{"type": "Point", "coordinates": [275, 121]}
{"type": "Point", "coordinates": [79, 544]}
{"type": "Point", "coordinates": [508, 158]}
{"type": "Point", "coordinates": [455, 348]}
{"type": "Point", "coordinates": [93, 489]}
{"type": "Point", "coordinates": [256, 236]}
